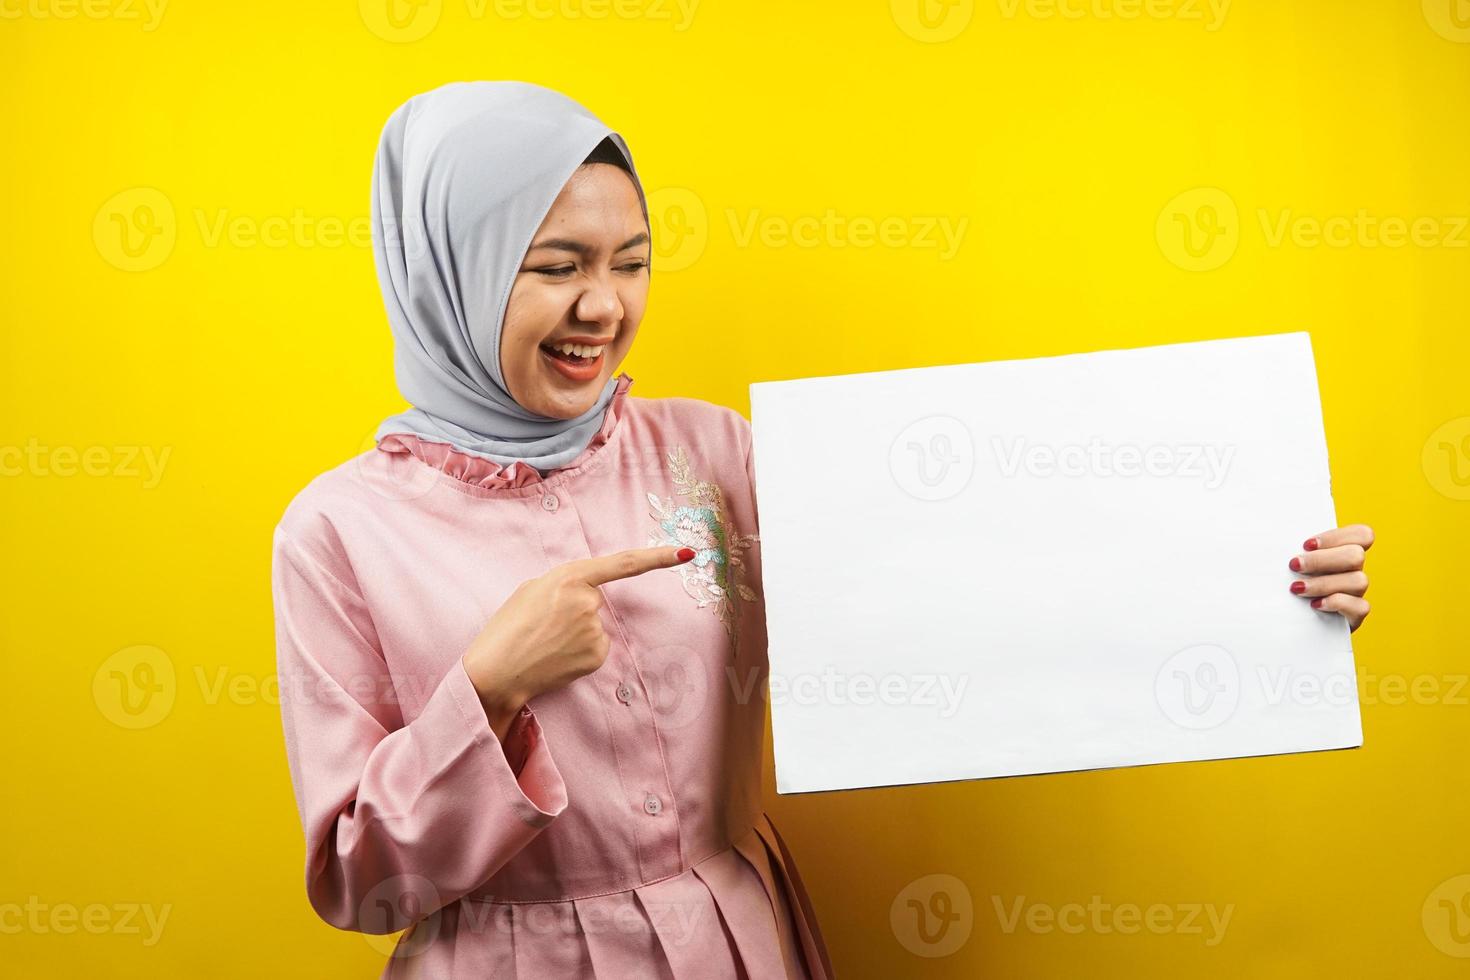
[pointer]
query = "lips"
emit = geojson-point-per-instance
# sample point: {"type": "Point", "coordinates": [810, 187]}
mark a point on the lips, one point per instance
{"type": "Point", "coordinates": [574, 367]}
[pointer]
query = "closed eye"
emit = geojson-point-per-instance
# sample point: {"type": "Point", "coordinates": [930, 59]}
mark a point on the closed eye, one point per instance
{"type": "Point", "coordinates": [562, 271]}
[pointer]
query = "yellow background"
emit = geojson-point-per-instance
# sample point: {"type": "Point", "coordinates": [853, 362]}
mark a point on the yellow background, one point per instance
{"type": "Point", "coordinates": [243, 335]}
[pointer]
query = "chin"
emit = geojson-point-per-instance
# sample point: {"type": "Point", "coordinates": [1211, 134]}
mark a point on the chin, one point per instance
{"type": "Point", "coordinates": [554, 395]}
{"type": "Point", "coordinates": [570, 407]}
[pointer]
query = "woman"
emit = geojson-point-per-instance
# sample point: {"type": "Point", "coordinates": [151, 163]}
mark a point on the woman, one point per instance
{"type": "Point", "coordinates": [511, 731]}
{"type": "Point", "coordinates": [511, 725]}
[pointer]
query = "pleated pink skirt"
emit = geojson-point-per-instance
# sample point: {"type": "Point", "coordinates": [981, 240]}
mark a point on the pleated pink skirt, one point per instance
{"type": "Point", "coordinates": [739, 913]}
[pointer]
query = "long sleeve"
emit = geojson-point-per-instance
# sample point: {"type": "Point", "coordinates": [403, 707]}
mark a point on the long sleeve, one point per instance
{"type": "Point", "coordinates": [400, 819]}
{"type": "Point", "coordinates": [749, 435]}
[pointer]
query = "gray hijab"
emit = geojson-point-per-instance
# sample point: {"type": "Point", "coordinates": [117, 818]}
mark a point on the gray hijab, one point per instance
{"type": "Point", "coordinates": [465, 174]}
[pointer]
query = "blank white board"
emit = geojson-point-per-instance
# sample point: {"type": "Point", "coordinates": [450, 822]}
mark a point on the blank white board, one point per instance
{"type": "Point", "coordinates": [1046, 565]}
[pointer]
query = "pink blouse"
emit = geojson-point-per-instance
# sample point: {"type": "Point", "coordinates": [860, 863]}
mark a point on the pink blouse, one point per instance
{"type": "Point", "coordinates": [619, 830]}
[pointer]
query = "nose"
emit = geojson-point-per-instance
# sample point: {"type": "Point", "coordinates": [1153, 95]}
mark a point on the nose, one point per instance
{"type": "Point", "coordinates": [599, 303]}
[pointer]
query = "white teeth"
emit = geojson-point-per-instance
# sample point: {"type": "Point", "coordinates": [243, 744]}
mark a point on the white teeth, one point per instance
{"type": "Point", "coordinates": [581, 350]}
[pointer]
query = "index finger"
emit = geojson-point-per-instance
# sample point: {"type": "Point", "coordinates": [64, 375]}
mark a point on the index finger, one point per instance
{"type": "Point", "coordinates": [625, 564]}
{"type": "Point", "coordinates": [1360, 534]}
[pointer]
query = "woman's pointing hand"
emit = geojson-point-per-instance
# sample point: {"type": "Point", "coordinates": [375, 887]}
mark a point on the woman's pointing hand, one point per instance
{"type": "Point", "coordinates": [549, 632]}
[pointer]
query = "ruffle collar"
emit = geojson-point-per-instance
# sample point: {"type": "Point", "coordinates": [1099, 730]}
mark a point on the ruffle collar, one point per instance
{"type": "Point", "coordinates": [478, 471]}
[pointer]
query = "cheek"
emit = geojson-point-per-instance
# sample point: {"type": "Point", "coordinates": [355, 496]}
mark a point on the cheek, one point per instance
{"type": "Point", "coordinates": [526, 323]}
{"type": "Point", "coordinates": [634, 299]}
{"type": "Point", "coordinates": [513, 357]}
{"type": "Point", "coordinates": [528, 318]}
{"type": "Point", "coordinates": [633, 302]}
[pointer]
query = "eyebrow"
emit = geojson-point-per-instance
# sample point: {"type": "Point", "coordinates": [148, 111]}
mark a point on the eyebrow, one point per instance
{"type": "Point", "coordinates": [571, 245]}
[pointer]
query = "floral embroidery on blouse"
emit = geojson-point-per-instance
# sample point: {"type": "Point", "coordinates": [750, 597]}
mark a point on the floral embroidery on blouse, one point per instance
{"type": "Point", "coordinates": [715, 576]}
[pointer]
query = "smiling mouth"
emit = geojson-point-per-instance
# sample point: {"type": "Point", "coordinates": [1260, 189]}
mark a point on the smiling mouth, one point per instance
{"type": "Point", "coordinates": [577, 363]}
{"type": "Point", "coordinates": [576, 354]}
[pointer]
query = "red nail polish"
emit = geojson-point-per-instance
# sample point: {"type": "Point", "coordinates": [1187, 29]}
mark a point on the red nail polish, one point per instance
{"type": "Point", "coordinates": [1317, 603]}
{"type": "Point", "coordinates": [1298, 587]}
{"type": "Point", "coordinates": [1296, 564]}
{"type": "Point", "coordinates": [1310, 545]}
{"type": "Point", "coordinates": [685, 554]}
